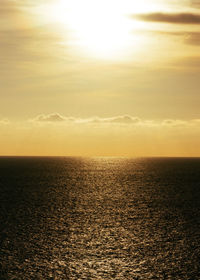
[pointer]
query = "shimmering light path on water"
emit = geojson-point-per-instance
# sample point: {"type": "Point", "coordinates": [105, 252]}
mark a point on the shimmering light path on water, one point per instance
{"type": "Point", "coordinates": [100, 218]}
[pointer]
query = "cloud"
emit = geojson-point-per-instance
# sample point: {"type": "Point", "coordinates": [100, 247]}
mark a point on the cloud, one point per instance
{"type": "Point", "coordinates": [190, 62]}
{"type": "Point", "coordinates": [182, 124]}
{"type": "Point", "coordinates": [30, 44]}
{"type": "Point", "coordinates": [175, 123]}
{"type": "Point", "coordinates": [195, 3]}
{"type": "Point", "coordinates": [56, 117]}
{"type": "Point", "coordinates": [13, 15]}
{"type": "Point", "coordinates": [117, 119]}
{"type": "Point", "coordinates": [175, 18]}
{"type": "Point", "coordinates": [122, 119]}
{"type": "Point", "coordinates": [191, 38]}
{"type": "Point", "coordinates": [8, 7]}
{"type": "Point", "coordinates": [4, 122]}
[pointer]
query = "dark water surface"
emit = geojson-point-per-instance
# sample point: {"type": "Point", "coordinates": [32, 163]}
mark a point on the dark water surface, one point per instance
{"type": "Point", "coordinates": [100, 218]}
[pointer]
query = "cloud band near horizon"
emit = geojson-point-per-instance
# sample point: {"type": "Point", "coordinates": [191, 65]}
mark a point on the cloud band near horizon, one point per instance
{"type": "Point", "coordinates": [120, 119]}
{"type": "Point", "coordinates": [171, 18]}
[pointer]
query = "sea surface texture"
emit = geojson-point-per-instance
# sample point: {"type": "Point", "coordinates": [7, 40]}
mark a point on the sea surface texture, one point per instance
{"type": "Point", "coordinates": [99, 218]}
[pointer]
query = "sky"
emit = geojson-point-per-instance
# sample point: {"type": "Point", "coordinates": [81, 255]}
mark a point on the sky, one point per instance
{"type": "Point", "coordinates": [100, 78]}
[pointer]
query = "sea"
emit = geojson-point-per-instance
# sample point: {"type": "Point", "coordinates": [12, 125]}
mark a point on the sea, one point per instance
{"type": "Point", "coordinates": [99, 218]}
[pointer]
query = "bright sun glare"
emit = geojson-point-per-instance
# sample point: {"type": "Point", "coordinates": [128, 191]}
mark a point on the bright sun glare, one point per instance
{"type": "Point", "coordinates": [101, 28]}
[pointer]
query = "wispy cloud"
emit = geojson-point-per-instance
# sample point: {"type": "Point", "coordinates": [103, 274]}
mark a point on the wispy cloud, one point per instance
{"type": "Point", "coordinates": [173, 18]}
{"type": "Point", "coordinates": [195, 3]}
{"type": "Point", "coordinates": [14, 15]}
{"type": "Point", "coordinates": [8, 7]}
{"type": "Point", "coordinates": [187, 37]}
{"type": "Point", "coordinates": [189, 63]}
{"type": "Point", "coordinates": [192, 38]}
{"type": "Point", "coordinates": [4, 121]}
{"type": "Point", "coordinates": [11, 7]}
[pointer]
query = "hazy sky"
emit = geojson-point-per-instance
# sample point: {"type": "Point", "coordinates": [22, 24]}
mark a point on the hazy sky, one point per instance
{"type": "Point", "coordinates": [100, 77]}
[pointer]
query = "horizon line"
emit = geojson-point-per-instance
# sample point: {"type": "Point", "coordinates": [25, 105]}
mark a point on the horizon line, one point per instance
{"type": "Point", "coordinates": [94, 156]}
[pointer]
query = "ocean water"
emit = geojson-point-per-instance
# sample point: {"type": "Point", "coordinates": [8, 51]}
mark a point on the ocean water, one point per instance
{"type": "Point", "coordinates": [99, 218]}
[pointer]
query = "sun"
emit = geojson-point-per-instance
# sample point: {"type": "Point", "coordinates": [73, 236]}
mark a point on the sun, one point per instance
{"type": "Point", "coordinates": [100, 28]}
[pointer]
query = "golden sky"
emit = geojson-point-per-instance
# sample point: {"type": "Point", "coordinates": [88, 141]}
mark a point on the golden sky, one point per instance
{"type": "Point", "coordinates": [100, 77]}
